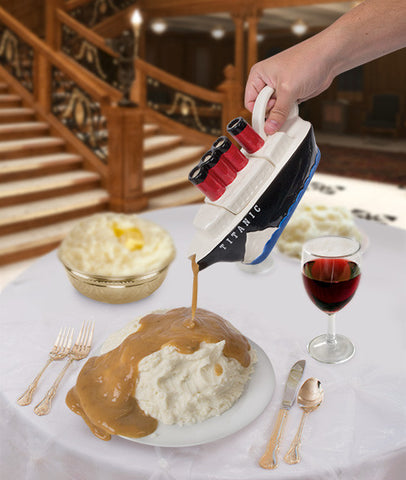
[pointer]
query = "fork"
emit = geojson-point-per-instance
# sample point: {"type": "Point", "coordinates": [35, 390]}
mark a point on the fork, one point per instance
{"type": "Point", "coordinates": [80, 350]}
{"type": "Point", "coordinates": [59, 351]}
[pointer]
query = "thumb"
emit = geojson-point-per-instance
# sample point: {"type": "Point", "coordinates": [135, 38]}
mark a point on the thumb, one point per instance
{"type": "Point", "coordinates": [279, 113]}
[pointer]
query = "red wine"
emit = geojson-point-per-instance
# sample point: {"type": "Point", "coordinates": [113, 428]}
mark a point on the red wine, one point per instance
{"type": "Point", "coordinates": [331, 282]}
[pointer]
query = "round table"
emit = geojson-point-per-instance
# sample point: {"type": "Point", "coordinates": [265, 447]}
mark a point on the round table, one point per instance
{"type": "Point", "coordinates": [358, 432]}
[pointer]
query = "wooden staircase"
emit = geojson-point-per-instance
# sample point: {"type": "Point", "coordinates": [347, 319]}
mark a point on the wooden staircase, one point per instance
{"type": "Point", "coordinates": [44, 189]}
{"type": "Point", "coordinates": [167, 163]}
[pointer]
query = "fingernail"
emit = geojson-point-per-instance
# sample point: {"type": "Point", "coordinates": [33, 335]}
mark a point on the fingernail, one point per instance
{"type": "Point", "coordinates": [271, 127]}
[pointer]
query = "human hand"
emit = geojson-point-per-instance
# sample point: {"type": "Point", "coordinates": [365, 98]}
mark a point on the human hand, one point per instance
{"type": "Point", "coordinates": [296, 74]}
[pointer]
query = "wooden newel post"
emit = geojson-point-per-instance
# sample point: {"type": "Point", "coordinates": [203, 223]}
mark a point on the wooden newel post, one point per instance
{"type": "Point", "coordinates": [52, 24]}
{"type": "Point", "coordinates": [233, 93]}
{"type": "Point", "coordinates": [125, 178]}
{"type": "Point", "coordinates": [139, 86]}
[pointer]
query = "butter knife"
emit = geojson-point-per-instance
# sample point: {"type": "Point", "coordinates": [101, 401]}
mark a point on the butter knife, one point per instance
{"type": "Point", "coordinates": [269, 459]}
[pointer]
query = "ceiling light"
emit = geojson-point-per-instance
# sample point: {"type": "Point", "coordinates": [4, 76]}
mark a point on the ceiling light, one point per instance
{"type": "Point", "coordinates": [299, 27]}
{"type": "Point", "coordinates": [260, 37]}
{"type": "Point", "coordinates": [218, 32]}
{"type": "Point", "coordinates": [159, 26]}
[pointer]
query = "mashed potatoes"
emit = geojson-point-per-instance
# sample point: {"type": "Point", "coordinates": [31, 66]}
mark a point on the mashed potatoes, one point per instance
{"type": "Point", "coordinates": [117, 244]}
{"type": "Point", "coordinates": [177, 388]}
{"type": "Point", "coordinates": [310, 221]}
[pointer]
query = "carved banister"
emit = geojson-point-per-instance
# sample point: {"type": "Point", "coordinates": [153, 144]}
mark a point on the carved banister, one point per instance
{"type": "Point", "coordinates": [91, 12]}
{"type": "Point", "coordinates": [78, 107]}
{"type": "Point", "coordinates": [71, 4]}
{"type": "Point", "coordinates": [77, 73]}
{"type": "Point", "coordinates": [194, 110]}
{"type": "Point", "coordinates": [85, 33]}
{"type": "Point", "coordinates": [97, 55]}
{"type": "Point", "coordinates": [177, 83]}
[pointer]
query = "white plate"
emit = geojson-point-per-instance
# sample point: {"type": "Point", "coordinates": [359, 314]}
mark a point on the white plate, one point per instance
{"type": "Point", "coordinates": [364, 242]}
{"type": "Point", "coordinates": [249, 406]}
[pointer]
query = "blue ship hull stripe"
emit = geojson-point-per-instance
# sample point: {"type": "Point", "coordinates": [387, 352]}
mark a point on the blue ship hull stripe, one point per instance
{"type": "Point", "coordinates": [271, 242]}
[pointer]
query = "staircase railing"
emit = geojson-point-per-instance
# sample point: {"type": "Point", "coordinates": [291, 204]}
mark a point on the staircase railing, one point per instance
{"type": "Point", "coordinates": [89, 50]}
{"type": "Point", "coordinates": [80, 109]}
{"type": "Point", "coordinates": [75, 86]}
{"type": "Point", "coordinates": [201, 113]}
{"type": "Point", "coordinates": [92, 12]}
{"type": "Point", "coordinates": [174, 102]}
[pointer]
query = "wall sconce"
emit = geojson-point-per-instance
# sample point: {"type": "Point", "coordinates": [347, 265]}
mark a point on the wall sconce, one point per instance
{"type": "Point", "coordinates": [299, 27]}
{"type": "Point", "coordinates": [159, 26]}
{"type": "Point", "coordinates": [218, 32]}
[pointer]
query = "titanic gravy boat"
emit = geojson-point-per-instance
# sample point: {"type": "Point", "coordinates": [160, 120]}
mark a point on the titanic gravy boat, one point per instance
{"type": "Point", "coordinates": [251, 193]}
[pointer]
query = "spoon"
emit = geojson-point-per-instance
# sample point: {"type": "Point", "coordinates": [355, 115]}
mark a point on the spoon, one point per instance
{"type": "Point", "coordinates": [309, 398]}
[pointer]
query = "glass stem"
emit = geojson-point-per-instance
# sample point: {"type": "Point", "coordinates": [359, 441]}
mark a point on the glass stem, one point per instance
{"type": "Point", "coordinates": [331, 329]}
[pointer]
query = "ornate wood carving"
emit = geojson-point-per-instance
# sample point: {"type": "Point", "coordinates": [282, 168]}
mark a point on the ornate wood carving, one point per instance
{"type": "Point", "coordinates": [80, 113]}
{"type": "Point", "coordinates": [17, 57]}
{"type": "Point", "coordinates": [93, 12]}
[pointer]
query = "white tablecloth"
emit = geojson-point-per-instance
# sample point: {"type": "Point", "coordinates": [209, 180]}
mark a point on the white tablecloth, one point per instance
{"type": "Point", "coordinates": [359, 432]}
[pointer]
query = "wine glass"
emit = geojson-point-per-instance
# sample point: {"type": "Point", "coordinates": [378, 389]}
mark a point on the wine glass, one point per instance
{"type": "Point", "coordinates": [331, 274]}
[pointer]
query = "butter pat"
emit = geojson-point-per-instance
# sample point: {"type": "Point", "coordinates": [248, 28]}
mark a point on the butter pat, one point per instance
{"type": "Point", "coordinates": [131, 238]}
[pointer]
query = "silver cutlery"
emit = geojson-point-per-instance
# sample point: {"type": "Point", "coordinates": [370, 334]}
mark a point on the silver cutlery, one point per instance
{"type": "Point", "coordinates": [59, 351]}
{"type": "Point", "coordinates": [270, 458]}
{"type": "Point", "coordinates": [309, 398]}
{"type": "Point", "coordinates": [80, 350]}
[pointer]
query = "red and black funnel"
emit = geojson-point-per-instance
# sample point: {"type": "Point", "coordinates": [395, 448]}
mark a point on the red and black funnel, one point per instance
{"type": "Point", "coordinates": [230, 153]}
{"type": "Point", "coordinates": [245, 135]}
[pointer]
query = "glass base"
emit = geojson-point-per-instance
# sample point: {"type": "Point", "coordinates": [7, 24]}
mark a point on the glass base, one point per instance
{"type": "Point", "coordinates": [338, 351]}
{"type": "Point", "coordinates": [264, 267]}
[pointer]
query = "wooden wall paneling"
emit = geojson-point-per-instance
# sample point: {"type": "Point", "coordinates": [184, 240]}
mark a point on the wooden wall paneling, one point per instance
{"type": "Point", "coordinates": [189, 49]}
{"type": "Point", "coordinates": [30, 13]}
{"type": "Point", "coordinates": [386, 74]}
{"type": "Point", "coordinates": [239, 53]}
{"type": "Point", "coordinates": [163, 8]}
{"type": "Point", "coordinates": [252, 43]}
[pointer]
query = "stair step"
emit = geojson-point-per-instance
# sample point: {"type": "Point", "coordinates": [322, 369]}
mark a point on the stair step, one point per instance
{"type": "Point", "coordinates": [44, 212]}
{"type": "Point", "coordinates": [150, 129]}
{"type": "Point", "coordinates": [182, 196]}
{"type": "Point", "coordinates": [173, 158]}
{"type": "Point", "coordinates": [12, 131]}
{"type": "Point", "coordinates": [9, 100]}
{"type": "Point", "coordinates": [30, 146]}
{"type": "Point", "coordinates": [176, 178]}
{"type": "Point", "coordinates": [12, 193]}
{"type": "Point", "coordinates": [20, 168]}
{"type": "Point", "coordinates": [36, 241]}
{"type": "Point", "coordinates": [10, 115]}
{"type": "Point", "coordinates": [159, 143]}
